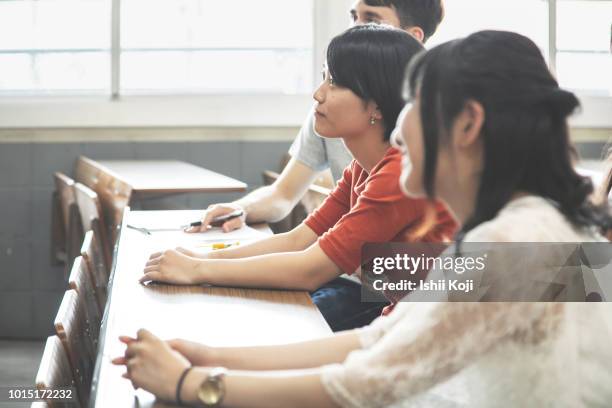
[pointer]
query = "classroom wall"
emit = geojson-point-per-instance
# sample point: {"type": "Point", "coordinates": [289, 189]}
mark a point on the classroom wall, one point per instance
{"type": "Point", "coordinates": [30, 288]}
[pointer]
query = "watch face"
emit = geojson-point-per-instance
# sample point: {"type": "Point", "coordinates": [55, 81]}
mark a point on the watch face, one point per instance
{"type": "Point", "coordinates": [212, 390]}
{"type": "Point", "coordinates": [210, 393]}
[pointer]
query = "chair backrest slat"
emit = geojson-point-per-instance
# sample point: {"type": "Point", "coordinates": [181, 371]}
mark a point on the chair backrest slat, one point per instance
{"type": "Point", "coordinates": [81, 280]}
{"type": "Point", "coordinates": [55, 371]}
{"type": "Point", "coordinates": [92, 253]}
{"type": "Point", "coordinates": [70, 219]}
{"type": "Point", "coordinates": [91, 215]}
{"type": "Point", "coordinates": [113, 192]}
{"type": "Point", "coordinates": [71, 328]}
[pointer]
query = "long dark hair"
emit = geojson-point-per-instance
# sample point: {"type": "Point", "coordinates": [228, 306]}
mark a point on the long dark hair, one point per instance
{"type": "Point", "coordinates": [370, 60]}
{"type": "Point", "coordinates": [525, 132]}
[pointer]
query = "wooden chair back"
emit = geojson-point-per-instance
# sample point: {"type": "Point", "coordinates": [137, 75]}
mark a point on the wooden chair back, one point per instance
{"type": "Point", "coordinates": [287, 223]}
{"type": "Point", "coordinates": [92, 254]}
{"type": "Point", "coordinates": [71, 328]}
{"type": "Point", "coordinates": [92, 219]}
{"type": "Point", "coordinates": [81, 280]}
{"type": "Point", "coordinates": [601, 195]}
{"type": "Point", "coordinates": [69, 236]}
{"type": "Point", "coordinates": [606, 186]}
{"type": "Point", "coordinates": [313, 198]}
{"type": "Point", "coordinates": [87, 171]}
{"type": "Point", "coordinates": [113, 192]}
{"type": "Point", "coordinates": [55, 372]}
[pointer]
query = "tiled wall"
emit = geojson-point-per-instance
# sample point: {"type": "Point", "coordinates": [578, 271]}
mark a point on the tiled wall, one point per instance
{"type": "Point", "coordinates": [30, 288]}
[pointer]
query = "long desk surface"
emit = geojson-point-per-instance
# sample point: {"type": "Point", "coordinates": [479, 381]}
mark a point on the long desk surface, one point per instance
{"type": "Point", "coordinates": [215, 316]}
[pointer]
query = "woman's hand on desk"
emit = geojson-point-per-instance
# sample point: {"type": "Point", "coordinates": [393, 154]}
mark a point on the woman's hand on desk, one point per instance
{"type": "Point", "coordinates": [171, 266]}
{"type": "Point", "coordinates": [152, 364]}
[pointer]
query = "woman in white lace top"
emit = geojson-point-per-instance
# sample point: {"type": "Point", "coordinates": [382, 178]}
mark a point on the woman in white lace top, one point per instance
{"type": "Point", "coordinates": [486, 131]}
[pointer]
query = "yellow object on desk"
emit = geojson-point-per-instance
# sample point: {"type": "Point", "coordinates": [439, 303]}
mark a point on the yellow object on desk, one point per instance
{"type": "Point", "coordinates": [219, 245]}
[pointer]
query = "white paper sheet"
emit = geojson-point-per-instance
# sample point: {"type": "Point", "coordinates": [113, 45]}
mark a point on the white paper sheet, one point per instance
{"type": "Point", "coordinates": [202, 242]}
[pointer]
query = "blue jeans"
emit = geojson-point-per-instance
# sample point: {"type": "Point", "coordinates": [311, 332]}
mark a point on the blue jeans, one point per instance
{"type": "Point", "coordinates": [340, 304]}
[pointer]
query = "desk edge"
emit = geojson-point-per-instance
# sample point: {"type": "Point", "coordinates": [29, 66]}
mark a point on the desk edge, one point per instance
{"type": "Point", "coordinates": [102, 338]}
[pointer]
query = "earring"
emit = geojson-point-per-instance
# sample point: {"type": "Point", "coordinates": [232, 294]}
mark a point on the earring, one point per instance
{"type": "Point", "coordinates": [372, 121]}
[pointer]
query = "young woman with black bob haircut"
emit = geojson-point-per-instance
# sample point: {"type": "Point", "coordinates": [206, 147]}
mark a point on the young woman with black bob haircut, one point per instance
{"type": "Point", "coordinates": [358, 101]}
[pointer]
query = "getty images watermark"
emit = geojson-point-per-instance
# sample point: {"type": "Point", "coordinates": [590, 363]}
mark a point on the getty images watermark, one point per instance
{"type": "Point", "coordinates": [411, 265]}
{"type": "Point", "coordinates": [486, 272]}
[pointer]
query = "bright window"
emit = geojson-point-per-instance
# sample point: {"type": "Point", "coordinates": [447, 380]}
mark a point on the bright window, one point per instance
{"type": "Point", "coordinates": [212, 46]}
{"type": "Point", "coordinates": [584, 36]}
{"type": "Point", "coordinates": [463, 17]}
{"type": "Point", "coordinates": [580, 47]}
{"type": "Point", "coordinates": [167, 46]}
{"type": "Point", "coordinates": [51, 46]}
{"type": "Point", "coordinates": [197, 62]}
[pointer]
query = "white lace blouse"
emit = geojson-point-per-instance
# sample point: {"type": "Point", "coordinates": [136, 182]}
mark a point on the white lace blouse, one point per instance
{"type": "Point", "coordinates": [486, 354]}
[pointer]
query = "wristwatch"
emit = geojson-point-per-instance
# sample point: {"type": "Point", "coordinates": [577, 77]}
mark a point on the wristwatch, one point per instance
{"type": "Point", "coordinates": [212, 390]}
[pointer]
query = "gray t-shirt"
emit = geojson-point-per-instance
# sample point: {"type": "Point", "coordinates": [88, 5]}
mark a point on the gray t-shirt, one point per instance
{"type": "Point", "coordinates": [320, 153]}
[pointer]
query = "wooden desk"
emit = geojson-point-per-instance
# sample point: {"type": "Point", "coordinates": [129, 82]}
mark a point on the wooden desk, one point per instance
{"type": "Point", "coordinates": [215, 316]}
{"type": "Point", "coordinates": [171, 177]}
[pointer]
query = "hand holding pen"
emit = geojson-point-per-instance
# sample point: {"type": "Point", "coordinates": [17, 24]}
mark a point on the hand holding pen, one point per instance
{"type": "Point", "coordinates": [197, 226]}
{"type": "Point", "coordinates": [227, 216]}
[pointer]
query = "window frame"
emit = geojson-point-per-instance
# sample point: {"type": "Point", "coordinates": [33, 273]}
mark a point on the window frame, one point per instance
{"type": "Point", "coordinates": [595, 110]}
{"type": "Point", "coordinates": [219, 110]}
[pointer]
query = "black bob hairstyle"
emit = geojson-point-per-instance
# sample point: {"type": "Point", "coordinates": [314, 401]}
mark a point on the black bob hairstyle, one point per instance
{"type": "Point", "coordinates": [426, 14]}
{"type": "Point", "coordinates": [525, 132]}
{"type": "Point", "coordinates": [371, 60]}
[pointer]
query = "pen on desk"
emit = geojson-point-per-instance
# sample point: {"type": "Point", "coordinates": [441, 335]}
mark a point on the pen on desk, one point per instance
{"type": "Point", "coordinates": [219, 221]}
